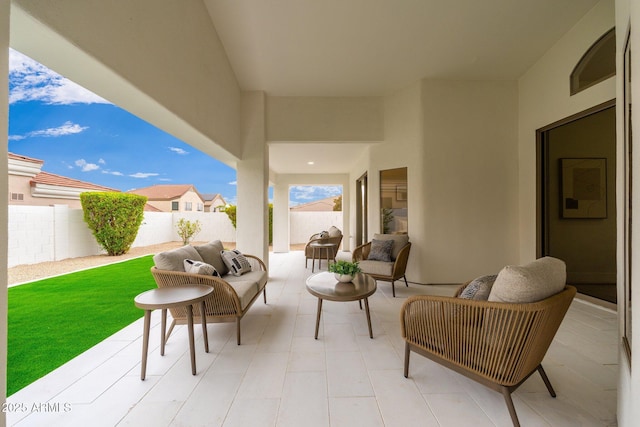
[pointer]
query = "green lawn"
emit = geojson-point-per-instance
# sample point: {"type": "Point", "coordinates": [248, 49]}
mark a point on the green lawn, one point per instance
{"type": "Point", "coordinates": [53, 320]}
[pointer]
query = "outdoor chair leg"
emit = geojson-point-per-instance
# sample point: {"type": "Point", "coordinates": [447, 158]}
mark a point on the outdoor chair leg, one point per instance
{"type": "Point", "coordinates": [238, 329]}
{"type": "Point", "coordinates": [393, 288]}
{"type": "Point", "coordinates": [512, 410]}
{"type": "Point", "coordinates": [264, 293]}
{"type": "Point", "coordinates": [543, 374]}
{"type": "Point", "coordinates": [407, 351]}
{"type": "Point", "coordinates": [405, 281]}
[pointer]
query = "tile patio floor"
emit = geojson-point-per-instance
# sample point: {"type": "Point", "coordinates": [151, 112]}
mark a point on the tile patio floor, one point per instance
{"type": "Point", "coordinates": [281, 376]}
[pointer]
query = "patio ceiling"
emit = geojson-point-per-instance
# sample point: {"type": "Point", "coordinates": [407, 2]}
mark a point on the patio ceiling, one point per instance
{"type": "Point", "coordinates": [374, 48]}
{"type": "Point", "coordinates": [365, 48]}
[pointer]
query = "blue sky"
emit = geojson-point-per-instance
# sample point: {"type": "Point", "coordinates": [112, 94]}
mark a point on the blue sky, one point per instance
{"type": "Point", "coordinates": [82, 136]}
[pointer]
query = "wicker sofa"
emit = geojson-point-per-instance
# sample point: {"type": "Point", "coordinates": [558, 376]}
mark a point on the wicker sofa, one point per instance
{"type": "Point", "coordinates": [495, 340]}
{"type": "Point", "coordinates": [233, 294]}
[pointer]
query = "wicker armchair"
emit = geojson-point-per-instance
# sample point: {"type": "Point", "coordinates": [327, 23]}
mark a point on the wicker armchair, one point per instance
{"type": "Point", "coordinates": [231, 299]}
{"type": "Point", "coordinates": [496, 344]}
{"type": "Point", "coordinates": [381, 270]}
{"type": "Point", "coordinates": [334, 236]}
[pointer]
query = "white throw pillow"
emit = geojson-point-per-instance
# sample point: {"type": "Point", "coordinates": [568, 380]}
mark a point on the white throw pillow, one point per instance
{"type": "Point", "coordinates": [531, 282]}
{"type": "Point", "coordinates": [236, 262]}
{"type": "Point", "coordinates": [199, 267]}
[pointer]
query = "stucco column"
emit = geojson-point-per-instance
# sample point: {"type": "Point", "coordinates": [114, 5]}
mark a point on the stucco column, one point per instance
{"type": "Point", "coordinates": [252, 221]}
{"type": "Point", "coordinates": [281, 217]}
{"type": "Point", "coordinates": [4, 217]}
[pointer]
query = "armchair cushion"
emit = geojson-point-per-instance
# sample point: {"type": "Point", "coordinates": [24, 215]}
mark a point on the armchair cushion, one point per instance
{"type": "Point", "coordinates": [531, 282]}
{"type": "Point", "coordinates": [380, 250]}
{"type": "Point", "coordinates": [379, 268]}
{"type": "Point", "coordinates": [236, 262]}
{"type": "Point", "coordinates": [210, 253]}
{"type": "Point", "coordinates": [173, 260]}
{"type": "Point", "coordinates": [479, 288]}
{"type": "Point", "coordinates": [399, 242]}
{"type": "Point", "coordinates": [334, 232]}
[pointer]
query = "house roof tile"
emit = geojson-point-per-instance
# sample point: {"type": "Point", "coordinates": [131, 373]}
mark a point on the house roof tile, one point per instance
{"type": "Point", "coordinates": [63, 181]}
{"type": "Point", "coordinates": [163, 192]}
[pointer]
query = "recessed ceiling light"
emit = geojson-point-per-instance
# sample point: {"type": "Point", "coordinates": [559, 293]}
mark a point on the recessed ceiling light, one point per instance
{"type": "Point", "coordinates": [310, 163]}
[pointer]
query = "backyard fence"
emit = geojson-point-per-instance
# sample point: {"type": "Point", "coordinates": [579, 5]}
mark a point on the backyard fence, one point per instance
{"type": "Point", "coordinates": [52, 233]}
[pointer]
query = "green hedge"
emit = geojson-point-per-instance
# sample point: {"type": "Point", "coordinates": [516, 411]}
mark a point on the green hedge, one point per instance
{"type": "Point", "coordinates": [114, 218]}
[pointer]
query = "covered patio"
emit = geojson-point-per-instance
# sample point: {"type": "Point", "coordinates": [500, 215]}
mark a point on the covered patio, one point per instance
{"type": "Point", "coordinates": [281, 376]}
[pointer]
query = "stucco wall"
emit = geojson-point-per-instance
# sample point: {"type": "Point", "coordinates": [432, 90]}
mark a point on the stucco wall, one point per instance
{"type": "Point", "coordinates": [470, 179]}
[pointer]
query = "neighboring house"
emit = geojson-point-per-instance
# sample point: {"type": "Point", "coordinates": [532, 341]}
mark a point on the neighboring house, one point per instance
{"type": "Point", "coordinates": [315, 206]}
{"type": "Point", "coordinates": [213, 202]}
{"type": "Point", "coordinates": [29, 185]}
{"type": "Point", "coordinates": [172, 198]}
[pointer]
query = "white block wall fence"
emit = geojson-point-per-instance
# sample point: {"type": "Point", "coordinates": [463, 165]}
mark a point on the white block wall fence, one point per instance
{"type": "Point", "coordinates": [52, 233]}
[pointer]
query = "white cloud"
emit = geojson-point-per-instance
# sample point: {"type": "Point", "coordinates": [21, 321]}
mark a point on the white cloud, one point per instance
{"type": "Point", "coordinates": [67, 128]}
{"type": "Point", "coordinates": [313, 192]}
{"type": "Point", "coordinates": [178, 151]}
{"type": "Point", "coordinates": [143, 175]}
{"type": "Point", "coordinates": [32, 81]}
{"type": "Point", "coordinates": [233, 183]}
{"type": "Point", "coordinates": [116, 173]}
{"type": "Point", "coordinates": [102, 162]}
{"type": "Point", "coordinates": [86, 167]}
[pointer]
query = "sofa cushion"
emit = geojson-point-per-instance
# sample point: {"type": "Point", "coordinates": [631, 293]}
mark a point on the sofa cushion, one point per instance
{"type": "Point", "coordinates": [199, 267]}
{"type": "Point", "coordinates": [210, 254]}
{"type": "Point", "coordinates": [173, 260]}
{"type": "Point", "coordinates": [334, 232]}
{"type": "Point", "coordinates": [479, 288]}
{"type": "Point", "coordinates": [399, 242]}
{"type": "Point", "coordinates": [380, 250]}
{"type": "Point", "coordinates": [247, 285]}
{"type": "Point", "coordinates": [531, 282]}
{"type": "Point", "coordinates": [237, 263]}
{"type": "Point", "coordinates": [380, 268]}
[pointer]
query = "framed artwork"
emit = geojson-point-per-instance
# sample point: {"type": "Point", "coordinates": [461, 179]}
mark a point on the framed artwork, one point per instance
{"type": "Point", "coordinates": [584, 188]}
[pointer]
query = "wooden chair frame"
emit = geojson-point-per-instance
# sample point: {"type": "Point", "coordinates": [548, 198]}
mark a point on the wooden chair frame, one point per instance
{"type": "Point", "coordinates": [498, 345]}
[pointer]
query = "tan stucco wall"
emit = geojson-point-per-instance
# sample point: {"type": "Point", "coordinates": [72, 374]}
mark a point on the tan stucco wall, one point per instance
{"type": "Point", "coordinates": [21, 184]}
{"type": "Point", "coordinates": [470, 178]}
{"type": "Point", "coordinates": [142, 49]}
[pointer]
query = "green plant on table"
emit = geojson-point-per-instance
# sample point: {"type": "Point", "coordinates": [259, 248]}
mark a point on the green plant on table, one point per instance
{"type": "Point", "coordinates": [345, 267]}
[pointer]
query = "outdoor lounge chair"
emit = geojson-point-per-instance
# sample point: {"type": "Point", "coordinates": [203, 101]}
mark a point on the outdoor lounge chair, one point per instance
{"type": "Point", "coordinates": [233, 294]}
{"type": "Point", "coordinates": [388, 266]}
{"type": "Point", "coordinates": [498, 344]}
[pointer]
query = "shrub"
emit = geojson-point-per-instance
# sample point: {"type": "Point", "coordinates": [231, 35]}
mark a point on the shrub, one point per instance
{"type": "Point", "coordinates": [187, 229]}
{"type": "Point", "coordinates": [114, 218]}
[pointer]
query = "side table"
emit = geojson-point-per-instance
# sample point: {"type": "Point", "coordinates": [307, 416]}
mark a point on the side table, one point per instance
{"type": "Point", "coordinates": [327, 247]}
{"type": "Point", "coordinates": [164, 298]}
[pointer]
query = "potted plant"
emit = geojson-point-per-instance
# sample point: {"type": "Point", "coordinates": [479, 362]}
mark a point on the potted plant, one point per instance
{"type": "Point", "coordinates": [344, 270]}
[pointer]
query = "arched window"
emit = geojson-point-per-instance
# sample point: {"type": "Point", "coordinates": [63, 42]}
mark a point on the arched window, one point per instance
{"type": "Point", "coordinates": [596, 65]}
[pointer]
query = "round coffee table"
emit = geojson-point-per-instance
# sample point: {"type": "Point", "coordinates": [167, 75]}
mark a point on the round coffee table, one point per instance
{"type": "Point", "coordinates": [164, 298]}
{"type": "Point", "coordinates": [325, 286]}
{"type": "Point", "coordinates": [327, 247]}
